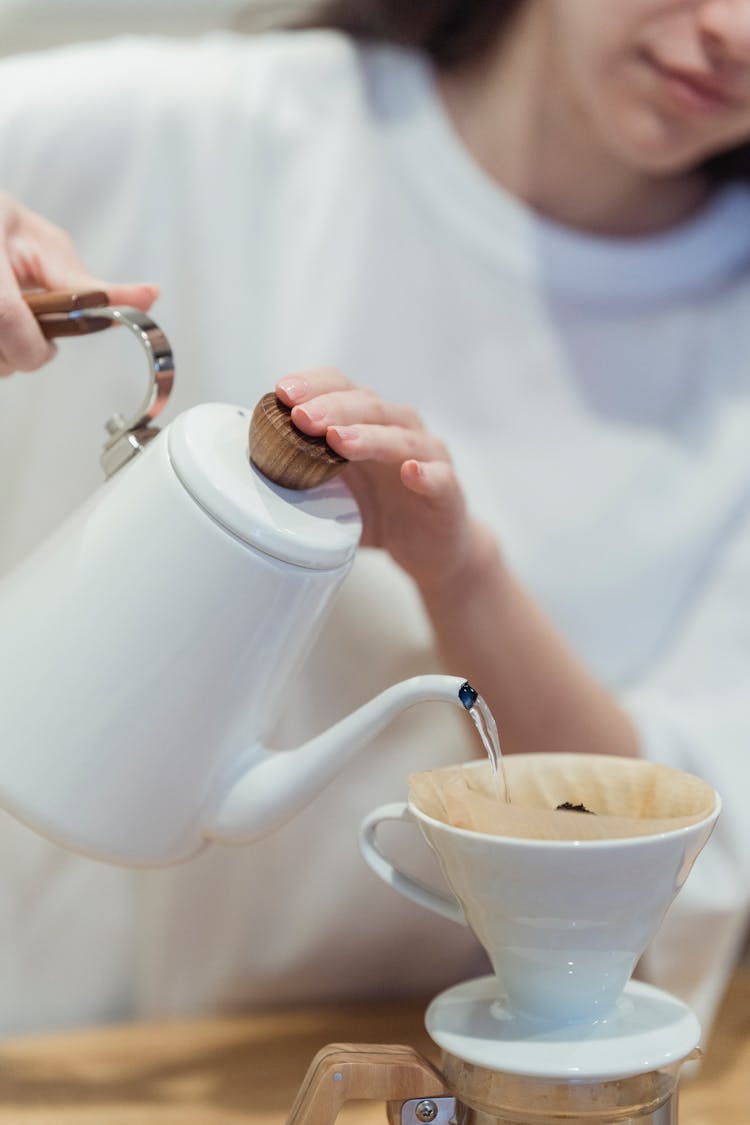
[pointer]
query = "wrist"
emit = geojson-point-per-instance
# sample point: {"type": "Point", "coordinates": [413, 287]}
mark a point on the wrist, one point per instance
{"type": "Point", "coordinates": [479, 564]}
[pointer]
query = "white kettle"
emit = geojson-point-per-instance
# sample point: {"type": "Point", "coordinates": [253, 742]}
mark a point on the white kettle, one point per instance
{"type": "Point", "coordinates": [146, 648]}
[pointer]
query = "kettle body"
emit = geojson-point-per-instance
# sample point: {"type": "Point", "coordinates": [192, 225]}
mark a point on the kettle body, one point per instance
{"type": "Point", "coordinates": [149, 641]}
{"type": "Point", "coordinates": [147, 648]}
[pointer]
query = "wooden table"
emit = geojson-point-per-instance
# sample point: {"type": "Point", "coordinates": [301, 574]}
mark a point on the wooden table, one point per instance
{"type": "Point", "coordinates": [248, 1069]}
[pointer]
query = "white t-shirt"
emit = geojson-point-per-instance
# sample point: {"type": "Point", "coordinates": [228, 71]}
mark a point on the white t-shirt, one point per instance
{"type": "Point", "coordinates": [304, 202]}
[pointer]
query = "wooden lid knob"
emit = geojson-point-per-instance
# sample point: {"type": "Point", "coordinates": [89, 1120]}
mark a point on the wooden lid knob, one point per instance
{"type": "Point", "coordinates": [283, 453]}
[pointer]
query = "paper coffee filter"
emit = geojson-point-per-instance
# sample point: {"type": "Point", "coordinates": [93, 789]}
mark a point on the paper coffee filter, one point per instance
{"type": "Point", "coordinates": [629, 797]}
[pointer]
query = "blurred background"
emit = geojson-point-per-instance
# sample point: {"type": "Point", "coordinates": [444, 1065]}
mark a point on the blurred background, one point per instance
{"type": "Point", "coordinates": [28, 25]}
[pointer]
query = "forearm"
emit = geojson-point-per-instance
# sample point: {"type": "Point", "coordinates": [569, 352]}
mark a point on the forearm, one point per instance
{"type": "Point", "coordinates": [543, 698]}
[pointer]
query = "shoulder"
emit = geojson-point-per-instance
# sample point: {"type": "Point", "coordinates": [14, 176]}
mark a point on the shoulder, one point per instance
{"type": "Point", "coordinates": [112, 101]}
{"type": "Point", "coordinates": [312, 69]}
{"type": "Point", "coordinates": [96, 103]}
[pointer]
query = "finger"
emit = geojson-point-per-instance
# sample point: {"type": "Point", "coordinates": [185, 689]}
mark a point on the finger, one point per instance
{"type": "Point", "coordinates": [138, 295]}
{"type": "Point", "coordinates": [434, 480]}
{"type": "Point", "coordinates": [22, 345]}
{"type": "Point", "coordinates": [385, 444]}
{"type": "Point", "coordinates": [436, 483]}
{"type": "Point", "coordinates": [353, 406]}
{"type": "Point", "coordinates": [304, 385]}
{"type": "Point", "coordinates": [44, 256]}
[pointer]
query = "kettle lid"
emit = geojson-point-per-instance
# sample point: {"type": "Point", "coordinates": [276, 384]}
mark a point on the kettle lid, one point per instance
{"type": "Point", "coordinates": [208, 448]}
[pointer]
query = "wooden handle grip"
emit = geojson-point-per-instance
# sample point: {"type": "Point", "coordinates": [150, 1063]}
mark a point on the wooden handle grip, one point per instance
{"type": "Point", "coordinates": [344, 1072]}
{"type": "Point", "coordinates": [51, 310]}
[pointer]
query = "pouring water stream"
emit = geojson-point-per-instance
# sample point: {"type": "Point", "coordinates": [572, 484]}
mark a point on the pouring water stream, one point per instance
{"type": "Point", "coordinates": [484, 721]}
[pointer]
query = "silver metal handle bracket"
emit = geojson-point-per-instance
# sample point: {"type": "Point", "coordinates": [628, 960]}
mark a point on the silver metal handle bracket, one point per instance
{"type": "Point", "coordinates": [129, 436]}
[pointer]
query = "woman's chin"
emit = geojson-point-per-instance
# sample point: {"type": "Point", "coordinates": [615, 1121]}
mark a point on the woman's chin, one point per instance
{"type": "Point", "coordinates": [653, 147]}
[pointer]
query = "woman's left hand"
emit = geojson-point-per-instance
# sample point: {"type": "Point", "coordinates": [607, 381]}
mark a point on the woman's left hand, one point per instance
{"type": "Point", "coordinates": [400, 474]}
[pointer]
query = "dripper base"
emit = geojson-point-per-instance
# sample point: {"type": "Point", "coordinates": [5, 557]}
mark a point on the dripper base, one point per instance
{"type": "Point", "coordinates": [648, 1030]}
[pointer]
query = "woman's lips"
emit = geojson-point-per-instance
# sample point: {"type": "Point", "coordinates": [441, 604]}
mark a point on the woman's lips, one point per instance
{"type": "Point", "coordinates": [695, 91]}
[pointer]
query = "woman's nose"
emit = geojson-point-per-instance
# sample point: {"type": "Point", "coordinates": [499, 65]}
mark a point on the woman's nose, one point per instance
{"type": "Point", "coordinates": [726, 24]}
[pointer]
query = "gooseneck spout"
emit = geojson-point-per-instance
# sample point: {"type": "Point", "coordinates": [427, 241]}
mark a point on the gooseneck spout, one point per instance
{"type": "Point", "coordinates": [276, 784]}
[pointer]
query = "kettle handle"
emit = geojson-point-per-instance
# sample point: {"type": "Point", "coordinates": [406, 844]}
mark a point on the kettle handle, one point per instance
{"type": "Point", "coordinates": [72, 313]}
{"type": "Point", "coordinates": [52, 307]}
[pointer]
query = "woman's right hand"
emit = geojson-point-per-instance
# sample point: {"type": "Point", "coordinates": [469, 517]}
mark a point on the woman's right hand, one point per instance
{"type": "Point", "coordinates": [36, 254]}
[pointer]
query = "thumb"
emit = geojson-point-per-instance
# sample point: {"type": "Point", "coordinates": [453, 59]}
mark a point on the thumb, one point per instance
{"type": "Point", "coordinates": [139, 295]}
{"type": "Point", "coordinates": [59, 267]}
{"type": "Point", "coordinates": [67, 272]}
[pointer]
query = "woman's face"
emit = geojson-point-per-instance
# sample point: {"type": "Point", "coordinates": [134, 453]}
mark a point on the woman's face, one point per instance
{"type": "Point", "coordinates": [663, 83]}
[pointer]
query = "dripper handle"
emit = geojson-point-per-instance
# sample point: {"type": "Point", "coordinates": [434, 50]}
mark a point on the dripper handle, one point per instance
{"type": "Point", "coordinates": [406, 885]}
{"type": "Point", "coordinates": [344, 1072]}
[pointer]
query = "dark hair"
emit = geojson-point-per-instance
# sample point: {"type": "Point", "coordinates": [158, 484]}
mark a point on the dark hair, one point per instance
{"type": "Point", "coordinates": [450, 32]}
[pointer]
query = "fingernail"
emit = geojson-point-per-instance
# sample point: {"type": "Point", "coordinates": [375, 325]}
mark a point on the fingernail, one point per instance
{"type": "Point", "coordinates": [312, 413]}
{"type": "Point", "coordinates": [293, 387]}
{"type": "Point", "coordinates": [345, 433]}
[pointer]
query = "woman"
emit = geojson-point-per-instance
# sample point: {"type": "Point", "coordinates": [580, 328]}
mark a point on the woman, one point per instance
{"type": "Point", "coordinates": [529, 221]}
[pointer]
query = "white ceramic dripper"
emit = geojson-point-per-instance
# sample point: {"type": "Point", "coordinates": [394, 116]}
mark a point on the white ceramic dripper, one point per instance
{"type": "Point", "coordinates": [563, 921]}
{"type": "Point", "coordinates": [560, 1033]}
